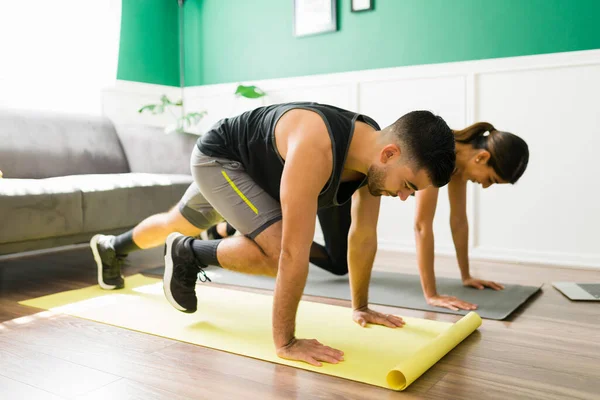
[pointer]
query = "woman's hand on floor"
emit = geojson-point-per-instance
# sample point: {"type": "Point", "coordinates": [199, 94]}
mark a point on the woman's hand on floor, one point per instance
{"type": "Point", "coordinates": [481, 284]}
{"type": "Point", "coordinates": [451, 302]}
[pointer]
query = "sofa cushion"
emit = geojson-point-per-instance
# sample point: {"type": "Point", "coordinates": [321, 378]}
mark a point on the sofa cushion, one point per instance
{"type": "Point", "coordinates": [150, 150]}
{"type": "Point", "coordinates": [41, 208]}
{"type": "Point", "coordinates": [43, 145]}
{"type": "Point", "coordinates": [123, 200]}
{"type": "Point", "coordinates": [38, 208]}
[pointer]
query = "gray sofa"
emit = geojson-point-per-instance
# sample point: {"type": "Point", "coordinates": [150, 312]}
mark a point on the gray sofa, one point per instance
{"type": "Point", "coordinates": [69, 177]}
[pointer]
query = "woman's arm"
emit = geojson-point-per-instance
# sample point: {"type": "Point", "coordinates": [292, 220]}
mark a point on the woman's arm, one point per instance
{"type": "Point", "coordinates": [425, 211]}
{"type": "Point", "coordinates": [459, 224]}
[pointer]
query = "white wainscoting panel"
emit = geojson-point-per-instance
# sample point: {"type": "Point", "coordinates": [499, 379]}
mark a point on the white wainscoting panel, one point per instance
{"type": "Point", "coordinates": [552, 214]}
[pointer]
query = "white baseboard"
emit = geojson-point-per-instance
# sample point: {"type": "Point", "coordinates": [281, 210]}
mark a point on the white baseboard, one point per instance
{"type": "Point", "coordinates": [570, 261]}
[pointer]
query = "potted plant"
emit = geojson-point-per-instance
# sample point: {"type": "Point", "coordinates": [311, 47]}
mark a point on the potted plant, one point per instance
{"type": "Point", "coordinates": [185, 122]}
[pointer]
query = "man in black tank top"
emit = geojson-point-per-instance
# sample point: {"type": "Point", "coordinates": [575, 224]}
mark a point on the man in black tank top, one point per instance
{"type": "Point", "coordinates": [268, 171]}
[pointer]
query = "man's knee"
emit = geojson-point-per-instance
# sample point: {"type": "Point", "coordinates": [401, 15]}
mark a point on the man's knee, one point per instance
{"type": "Point", "coordinates": [176, 222]}
{"type": "Point", "coordinates": [269, 242]}
{"type": "Point", "coordinates": [272, 254]}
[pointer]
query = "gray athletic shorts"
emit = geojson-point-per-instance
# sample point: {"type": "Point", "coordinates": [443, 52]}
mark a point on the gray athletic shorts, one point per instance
{"type": "Point", "coordinates": [222, 190]}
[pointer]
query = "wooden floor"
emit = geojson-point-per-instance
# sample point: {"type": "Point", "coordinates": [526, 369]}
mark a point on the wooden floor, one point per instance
{"type": "Point", "coordinates": [549, 349]}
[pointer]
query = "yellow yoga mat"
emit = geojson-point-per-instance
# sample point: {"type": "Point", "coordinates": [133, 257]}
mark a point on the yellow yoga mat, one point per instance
{"type": "Point", "coordinates": [240, 322]}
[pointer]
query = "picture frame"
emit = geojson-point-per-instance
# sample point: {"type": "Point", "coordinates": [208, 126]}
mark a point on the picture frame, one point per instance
{"type": "Point", "coordinates": [362, 5]}
{"type": "Point", "coordinates": [313, 17]}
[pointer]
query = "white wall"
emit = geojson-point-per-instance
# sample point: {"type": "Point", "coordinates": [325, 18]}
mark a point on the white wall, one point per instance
{"type": "Point", "coordinates": [549, 216]}
{"type": "Point", "coordinates": [58, 55]}
{"type": "Point", "coordinates": [122, 101]}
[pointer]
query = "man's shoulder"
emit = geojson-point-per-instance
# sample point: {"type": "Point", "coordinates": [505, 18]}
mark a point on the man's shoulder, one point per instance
{"type": "Point", "coordinates": [306, 126]}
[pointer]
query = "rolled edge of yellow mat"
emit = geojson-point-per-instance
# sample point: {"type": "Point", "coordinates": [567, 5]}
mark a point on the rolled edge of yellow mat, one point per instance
{"type": "Point", "coordinates": [408, 371]}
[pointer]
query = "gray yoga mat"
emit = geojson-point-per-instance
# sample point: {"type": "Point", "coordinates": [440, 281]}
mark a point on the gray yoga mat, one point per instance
{"type": "Point", "coordinates": [390, 289]}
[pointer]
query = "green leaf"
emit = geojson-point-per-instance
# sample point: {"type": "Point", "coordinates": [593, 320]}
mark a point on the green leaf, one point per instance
{"type": "Point", "coordinates": [196, 116]}
{"type": "Point", "coordinates": [160, 108]}
{"type": "Point", "coordinates": [189, 120]}
{"type": "Point", "coordinates": [149, 107]}
{"type": "Point", "coordinates": [250, 92]}
{"type": "Point", "coordinates": [165, 100]}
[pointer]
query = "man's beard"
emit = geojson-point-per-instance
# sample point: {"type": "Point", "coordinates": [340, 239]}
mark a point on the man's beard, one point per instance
{"type": "Point", "coordinates": [375, 179]}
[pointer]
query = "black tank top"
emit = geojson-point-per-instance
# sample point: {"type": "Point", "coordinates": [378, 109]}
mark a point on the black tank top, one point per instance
{"type": "Point", "coordinates": [250, 139]}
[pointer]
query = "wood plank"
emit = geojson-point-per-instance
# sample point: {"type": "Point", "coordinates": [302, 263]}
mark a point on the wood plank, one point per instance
{"type": "Point", "coordinates": [145, 368]}
{"type": "Point", "coordinates": [14, 390]}
{"type": "Point", "coordinates": [69, 333]}
{"type": "Point", "coordinates": [531, 376]}
{"type": "Point", "coordinates": [124, 389]}
{"type": "Point", "coordinates": [459, 387]}
{"type": "Point", "coordinates": [54, 375]}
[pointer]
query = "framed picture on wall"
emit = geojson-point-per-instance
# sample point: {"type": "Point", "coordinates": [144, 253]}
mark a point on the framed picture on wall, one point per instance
{"type": "Point", "coordinates": [312, 17]}
{"type": "Point", "coordinates": [361, 5]}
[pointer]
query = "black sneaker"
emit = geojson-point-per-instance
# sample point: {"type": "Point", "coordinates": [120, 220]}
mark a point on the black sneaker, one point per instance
{"type": "Point", "coordinates": [181, 273]}
{"type": "Point", "coordinates": [108, 262]}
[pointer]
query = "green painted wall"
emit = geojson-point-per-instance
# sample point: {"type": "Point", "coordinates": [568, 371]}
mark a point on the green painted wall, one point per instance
{"type": "Point", "coordinates": [149, 43]}
{"type": "Point", "coordinates": [244, 40]}
{"type": "Point", "coordinates": [193, 40]}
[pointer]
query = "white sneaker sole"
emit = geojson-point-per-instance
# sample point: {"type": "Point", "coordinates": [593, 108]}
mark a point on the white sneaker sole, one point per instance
{"type": "Point", "coordinates": [169, 272]}
{"type": "Point", "coordinates": [94, 247]}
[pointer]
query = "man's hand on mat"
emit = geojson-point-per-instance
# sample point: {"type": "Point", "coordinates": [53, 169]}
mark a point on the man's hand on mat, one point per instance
{"type": "Point", "coordinates": [362, 316]}
{"type": "Point", "coordinates": [481, 284]}
{"type": "Point", "coordinates": [310, 351]}
{"type": "Point", "coordinates": [450, 302]}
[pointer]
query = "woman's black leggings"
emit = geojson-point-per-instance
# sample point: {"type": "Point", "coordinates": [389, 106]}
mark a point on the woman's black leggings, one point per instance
{"type": "Point", "coordinates": [335, 224]}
